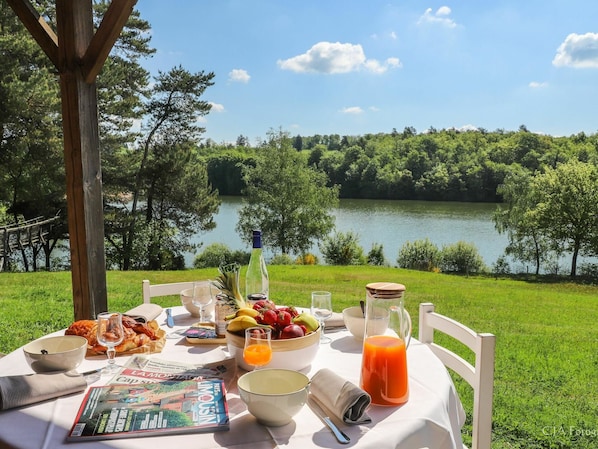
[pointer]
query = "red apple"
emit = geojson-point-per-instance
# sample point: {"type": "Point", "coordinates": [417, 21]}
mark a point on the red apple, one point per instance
{"type": "Point", "coordinates": [291, 331]}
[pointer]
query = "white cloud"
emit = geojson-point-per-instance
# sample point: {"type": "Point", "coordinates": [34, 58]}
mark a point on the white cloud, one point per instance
{"type": "Point", "coordinates": [334, 57]}
{"type": "Point", "coordinates": [374, 108]}
{"type": "Point", "coordinates": [393, 35]}
{"type": "Point", "coordinates": [441, 16]}
{"type": "Point", "coordinates": [538, 84]}
{"type": "Point", "coordinates": [239, 75]}
{"type": "Point", "coordinates": [352, 110]}
{"type": "Point", "coordinates": [216, 107]}
{"type": "Point", "coordinates": [578, 50]}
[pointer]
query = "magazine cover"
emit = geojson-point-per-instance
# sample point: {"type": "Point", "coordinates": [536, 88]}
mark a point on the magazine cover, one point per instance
{"type": "Point", "coordinates": [159, 408]}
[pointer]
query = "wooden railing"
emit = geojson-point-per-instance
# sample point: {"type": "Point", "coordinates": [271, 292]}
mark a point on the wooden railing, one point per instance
{"type": "Point", "coordinates": [18, 236]}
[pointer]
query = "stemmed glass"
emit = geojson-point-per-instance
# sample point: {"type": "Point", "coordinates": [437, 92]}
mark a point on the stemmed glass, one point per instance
{"type": "Point", "coordinates": [258, 346]}
{"type": "Point", "coordinates": [321, 308]}
{"type": "Point", "coordinates": [110, 334]}
{"type": "Point", "coordinates": [202, 297]}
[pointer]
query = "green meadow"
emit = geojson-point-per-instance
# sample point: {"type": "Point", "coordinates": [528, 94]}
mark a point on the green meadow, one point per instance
{"type": "Point", "coordinates": [545, 394]}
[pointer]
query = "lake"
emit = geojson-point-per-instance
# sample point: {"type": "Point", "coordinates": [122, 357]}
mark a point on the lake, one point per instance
{"type": "Point", "coordinates": [388, 222]}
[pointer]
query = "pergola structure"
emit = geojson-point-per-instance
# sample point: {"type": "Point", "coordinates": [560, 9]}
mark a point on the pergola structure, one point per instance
{"type": "Point", "coordinates": [79, 52]}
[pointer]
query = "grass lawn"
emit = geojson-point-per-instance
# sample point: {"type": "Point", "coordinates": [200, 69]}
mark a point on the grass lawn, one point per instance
{"type": "Point", "coordinates": [546, 392]}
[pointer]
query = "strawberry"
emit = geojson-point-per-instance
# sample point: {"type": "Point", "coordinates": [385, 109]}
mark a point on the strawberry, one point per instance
{"type": "Point", "coordinates": [270, 317]}
{"type": "Point", "coordinates": [284, 318]}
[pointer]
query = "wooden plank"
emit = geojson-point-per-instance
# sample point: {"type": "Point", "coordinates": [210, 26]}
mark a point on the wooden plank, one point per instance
{"type": "Point", "coordinates": [37, 26]}
{"type": "Point", "coordinates": [108, 32]}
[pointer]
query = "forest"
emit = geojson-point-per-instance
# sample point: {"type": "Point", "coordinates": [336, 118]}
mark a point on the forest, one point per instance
{"type": "Point", "coordinates": [439, 165]}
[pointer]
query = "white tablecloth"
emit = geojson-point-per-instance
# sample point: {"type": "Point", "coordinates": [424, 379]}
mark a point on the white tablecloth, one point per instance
{"type": "Point", "coordinates": [431, 418]}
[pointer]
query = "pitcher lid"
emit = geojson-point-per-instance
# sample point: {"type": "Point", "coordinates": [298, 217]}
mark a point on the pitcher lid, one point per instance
{"type": "Point", "coordinates": [385, 289]}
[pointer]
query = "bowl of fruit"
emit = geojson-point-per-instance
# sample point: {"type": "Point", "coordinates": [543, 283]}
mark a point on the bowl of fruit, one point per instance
{"type": "Point", "coordinates": [295, 335]}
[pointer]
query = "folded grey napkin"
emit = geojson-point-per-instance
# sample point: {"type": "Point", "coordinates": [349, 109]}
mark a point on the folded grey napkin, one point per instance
{"type": "Point", "coordinates": [17, 391]}
{"type": "Point", "coordinates": [346, 400]}
{"type": "Point", "coordinates": [145, 312]}
{"type": "Point", "coordinates": [336, 320]}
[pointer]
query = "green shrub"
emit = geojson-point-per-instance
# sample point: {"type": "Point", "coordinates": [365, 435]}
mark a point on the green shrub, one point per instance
{"type": "Point", "coordinates": [342, 249]}
{"type": "Point", "coordinates": [217, 253]}
{"type": "Point", "coordinates": [213, 255]}
{"type": "Point", "coordinates": [376, 255]}
{"type": "Point", "coordinates": [420, 255]}
{"type": "Point", "coordinates": [501, 267]}
{"type": "Point", "coordinates": [281, 259]}
{"type": "Point", "coordinates": [240, 256]}
{"type": "Point", "coordinates": [461, 257]}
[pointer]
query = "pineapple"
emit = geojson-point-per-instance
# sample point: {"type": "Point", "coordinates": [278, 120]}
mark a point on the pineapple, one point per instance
{"type": "Point", "coordinates": [227, 282]}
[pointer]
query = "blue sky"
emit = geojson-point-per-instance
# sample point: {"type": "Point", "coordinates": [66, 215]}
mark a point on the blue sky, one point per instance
{"type": "Point", "coordinates": [352, 67]}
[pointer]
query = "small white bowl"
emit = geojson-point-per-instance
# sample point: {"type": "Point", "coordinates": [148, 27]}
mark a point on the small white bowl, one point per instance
{"type": "Point", "coordinates": [273, 396]}
{"type": "Point", "coordinates": [354, 321]}
{"type": "Point", "coordinates": [60, 353]}
{"type": "Point", "coordinates": [187, 301]}
{"type": "Point", "coordinates": [293, 353]}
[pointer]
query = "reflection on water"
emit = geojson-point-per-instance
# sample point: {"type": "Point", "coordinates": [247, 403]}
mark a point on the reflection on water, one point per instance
{"type": "Point", "coordinates": [390, 223]}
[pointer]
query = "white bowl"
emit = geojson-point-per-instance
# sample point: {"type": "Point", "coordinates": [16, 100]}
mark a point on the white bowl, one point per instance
{"type": "Point", "coordinates": [60, 353]}
{"type": "Point", "coordinates": [187, 301]}
{"type": "Point", "coordinates": [293, 353]}
{"type": "Point", "coordinates": [354, 321]}
{"type": "Point", "coordinates": [273, 396]}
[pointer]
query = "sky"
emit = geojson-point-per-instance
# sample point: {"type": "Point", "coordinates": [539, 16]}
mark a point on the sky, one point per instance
{"type": "Point", "coordinates": [353, 67]}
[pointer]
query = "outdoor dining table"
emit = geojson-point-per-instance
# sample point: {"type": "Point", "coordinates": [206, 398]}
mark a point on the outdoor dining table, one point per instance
{"type": "Point", "coordinates": [432, 418]}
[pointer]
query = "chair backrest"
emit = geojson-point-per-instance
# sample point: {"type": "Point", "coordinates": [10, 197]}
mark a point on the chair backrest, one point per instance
{"type": "Point", "coordinates": [480, 376]}
{"type": "Point", "coordinates": [151, 291]}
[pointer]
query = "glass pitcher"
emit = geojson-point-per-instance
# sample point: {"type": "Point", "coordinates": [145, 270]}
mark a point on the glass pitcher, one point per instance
{"type": "Point", "coordinates": [387, 336]}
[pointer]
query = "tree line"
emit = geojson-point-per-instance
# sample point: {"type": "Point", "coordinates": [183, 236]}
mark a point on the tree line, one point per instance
{"type": "Point", "coordinates": [440, 165]}
{"type": "Point", "coordinates": [162, 180]}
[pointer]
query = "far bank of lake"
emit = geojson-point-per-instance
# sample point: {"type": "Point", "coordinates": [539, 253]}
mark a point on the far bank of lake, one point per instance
{"type": "Point", "coordinates": [390, 223]}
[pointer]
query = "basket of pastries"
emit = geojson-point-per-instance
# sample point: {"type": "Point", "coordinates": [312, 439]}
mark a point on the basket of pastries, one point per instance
{"type": "Point", "coordinates": [139, 337]}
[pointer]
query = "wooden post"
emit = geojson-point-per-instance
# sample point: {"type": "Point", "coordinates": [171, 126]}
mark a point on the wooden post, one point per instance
{"type": "Point", "coordinates": [82, 160]}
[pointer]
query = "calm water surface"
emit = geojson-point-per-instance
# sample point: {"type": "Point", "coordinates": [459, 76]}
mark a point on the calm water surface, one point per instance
{"type": "Point", "coordinates": [390, 223]}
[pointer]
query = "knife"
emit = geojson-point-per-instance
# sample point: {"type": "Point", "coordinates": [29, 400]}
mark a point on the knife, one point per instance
{"type": "Point", "coordinates": [169, 319]}
{"type": "Point", "coordinates": [339, 434]}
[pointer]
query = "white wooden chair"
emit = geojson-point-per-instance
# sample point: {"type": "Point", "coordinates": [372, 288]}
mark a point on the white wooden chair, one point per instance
{"type": "Point", "coordinates": [480, 376]}
{"type": "Point", "coordinates": [151, 291]}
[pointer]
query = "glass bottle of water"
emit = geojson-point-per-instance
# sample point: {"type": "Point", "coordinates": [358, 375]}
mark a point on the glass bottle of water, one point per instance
{"type": "Point", "coordinates": [256, 278]}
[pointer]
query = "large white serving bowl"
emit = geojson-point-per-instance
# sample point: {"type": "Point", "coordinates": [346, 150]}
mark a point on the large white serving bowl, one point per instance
{"type": "Point", "coordinates": [60, 353]}
{"type": "Point", "coordinates": [273, 396]}
{"type": "Point", "coordinates": [187, 301]}
{"type": "Point", "coordinates": [293, 353]}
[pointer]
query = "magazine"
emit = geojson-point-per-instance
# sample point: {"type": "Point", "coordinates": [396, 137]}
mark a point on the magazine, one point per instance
{"type": "Point", "coordinates": [203, 334]}
{"type": "Point", "coordinates": [144, 369]}
{"type": "Point", "coordinates": [151, 409]}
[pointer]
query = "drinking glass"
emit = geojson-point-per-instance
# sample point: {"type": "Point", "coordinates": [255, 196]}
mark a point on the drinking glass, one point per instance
{"type": "Point", "coordinates": [258, 346]}
{"type": "Point", "coordinates": [321, 308]}
{"type": "Point", "coordinates": [202, 297]}
{"type": "Point", "coordinates": [110, 334]}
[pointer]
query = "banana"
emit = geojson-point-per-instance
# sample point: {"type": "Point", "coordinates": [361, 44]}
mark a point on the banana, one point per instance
{"type": "Point", "coordinates": [240, 323]}
{"type": "Point", "coordinates": [243, 311]}
{"type": "Point", "coordinates": [247, 311]}
{"type": "Point", "coordinates": [309, 321]}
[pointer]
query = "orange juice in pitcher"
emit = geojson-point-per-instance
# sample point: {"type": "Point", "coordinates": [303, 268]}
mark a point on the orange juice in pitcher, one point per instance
{"type": "Point", "coordinates": [387, 333]}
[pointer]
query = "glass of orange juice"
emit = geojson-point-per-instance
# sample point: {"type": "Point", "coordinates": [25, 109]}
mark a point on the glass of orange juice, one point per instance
{"type": "Point", "coordinates": [258, 346]}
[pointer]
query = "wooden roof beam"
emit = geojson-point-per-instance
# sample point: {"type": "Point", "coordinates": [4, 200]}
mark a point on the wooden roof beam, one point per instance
{"type": "Point", "coordinates": [104, 38]}
{"type": "Point", "coordinates": [38, 27]}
